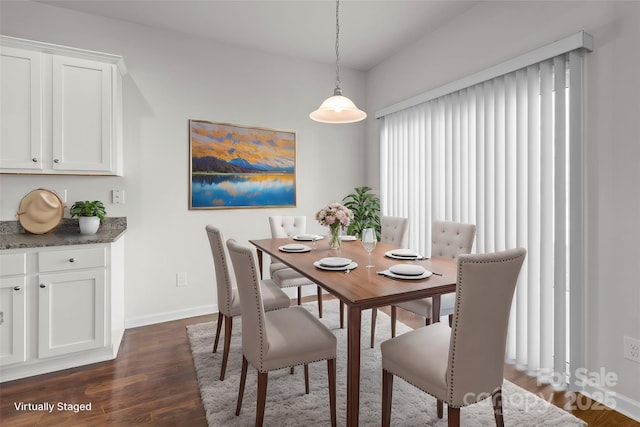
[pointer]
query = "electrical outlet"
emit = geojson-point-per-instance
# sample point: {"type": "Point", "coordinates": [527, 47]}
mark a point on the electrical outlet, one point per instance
{"type": "Point", "coordinates": [632, 349]}
{"type": "Point", "coordinates": [181, 279]}
{"type": "Point", "coordinates": [117, 197]}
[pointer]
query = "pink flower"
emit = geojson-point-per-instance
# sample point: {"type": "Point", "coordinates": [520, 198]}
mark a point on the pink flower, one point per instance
{"type": "Point", "coordinates": [335, 212]}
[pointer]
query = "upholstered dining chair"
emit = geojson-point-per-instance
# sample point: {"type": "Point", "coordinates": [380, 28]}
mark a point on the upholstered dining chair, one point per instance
{"type": "Point", "coordinates": [462, 364]}
{"type": "Point", "coordinates": [393, 230]}
{"type": "Point", "coordinates": [283, 276]}
{"type": "Point", "coordinates": [449, 239]}
{"type": "Point", "coordinates": [277, 339]}
{"type": "Point", "coordinates": [228, 300]}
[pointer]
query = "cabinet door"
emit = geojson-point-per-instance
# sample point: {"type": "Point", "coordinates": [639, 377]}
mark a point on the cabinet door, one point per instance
{"type": "Point", "coordinates": [12, 320]}
{"type": "Point", "coordinates": [71, 312]}
{"type": "Point", "coordinates": [20, 110]}
{"type": "Point", "coordinates": [82, 115]}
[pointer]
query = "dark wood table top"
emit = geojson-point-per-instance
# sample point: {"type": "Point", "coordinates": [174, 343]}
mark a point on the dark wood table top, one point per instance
{"type": "Point", "coordinates": [364, 287]}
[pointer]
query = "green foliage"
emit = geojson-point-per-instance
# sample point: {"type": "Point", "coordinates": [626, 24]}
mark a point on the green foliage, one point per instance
{"type": "Point", "coordinates": [366, 210]}
{"type": "Point", "coordinates": [87, 208]}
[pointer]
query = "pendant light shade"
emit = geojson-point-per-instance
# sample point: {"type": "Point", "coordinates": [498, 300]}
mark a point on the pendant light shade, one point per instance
{"type": "Point", "coordinates": [338, 108]}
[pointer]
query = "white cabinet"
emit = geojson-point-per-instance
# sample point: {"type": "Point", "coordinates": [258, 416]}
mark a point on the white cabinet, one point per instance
{"type": "Point", "coordinates": [12, 320]}
{"type": "Point", "coordinates": [12, 309]}
{"type": "Point", "coordinates": [20, 109]}
{"type": "Point", "coordinates": [61, 110]}
{"type": "Point", "coordinates": [62, 309]}
{"type": "Point", "coordinates": [71, 301]}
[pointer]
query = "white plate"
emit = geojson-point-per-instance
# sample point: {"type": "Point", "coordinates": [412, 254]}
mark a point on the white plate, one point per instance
{"type": "Point", "coordinates": [406, 254]}
{"type": "Point", "coordinates": [341, 268]}
{"type": "Point", "coordinates": [335, 261]}
{"type": "Point", "coordinates": [294, 247]}
{"type": "Point", "coordinates": [348, 238]}
{"type": "Point", "coordinates": [307, 237]}
{"type": "Point", "coordinates": [407, 269]}
{"type": "Point", "coordinates": [424, 275]}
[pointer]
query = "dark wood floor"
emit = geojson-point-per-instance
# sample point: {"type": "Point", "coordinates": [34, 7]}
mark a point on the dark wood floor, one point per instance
{"type": "Point", "coordinates": [153, 382]}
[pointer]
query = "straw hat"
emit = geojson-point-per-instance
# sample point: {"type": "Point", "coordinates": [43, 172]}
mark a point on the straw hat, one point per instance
{"type": "Point", "coordinates": [40, 211]}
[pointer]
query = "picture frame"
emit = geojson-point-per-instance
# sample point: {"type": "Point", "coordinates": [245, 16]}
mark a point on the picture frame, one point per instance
{"type": "Point", "coordinates": [233, 166]}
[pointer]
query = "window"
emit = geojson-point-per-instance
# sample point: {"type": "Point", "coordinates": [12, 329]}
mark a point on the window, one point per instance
{"type": "Point", "coordinates": [504, 153]}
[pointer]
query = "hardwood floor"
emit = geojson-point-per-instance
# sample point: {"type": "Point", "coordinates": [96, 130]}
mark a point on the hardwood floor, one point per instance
{"type": "Point", "coordinates": [153, 382]}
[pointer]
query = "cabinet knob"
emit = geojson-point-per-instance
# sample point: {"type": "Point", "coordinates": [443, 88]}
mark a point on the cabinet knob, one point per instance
{"type": "Point", "coordinates": [17, 288]}
{"type": "Point", "coordinates": [72, 260]}
{"type": "Point", "coordinates": [56, 160]}
{"type": "Point", "coordinates": [42, 285]}
{"type": "Point", "coordinates": [34, 160]}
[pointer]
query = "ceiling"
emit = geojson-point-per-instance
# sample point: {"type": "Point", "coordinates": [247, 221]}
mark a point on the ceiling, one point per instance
{"type": "Point", "coordinates": [370, 30]}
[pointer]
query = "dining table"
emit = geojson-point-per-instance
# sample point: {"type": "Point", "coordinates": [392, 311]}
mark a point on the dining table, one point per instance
{"type": "Point", "coordinates": [360, 287]}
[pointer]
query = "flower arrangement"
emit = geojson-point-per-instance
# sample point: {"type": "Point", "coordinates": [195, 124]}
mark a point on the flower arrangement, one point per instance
{"type": "Point", "coordinates": [335, 216]}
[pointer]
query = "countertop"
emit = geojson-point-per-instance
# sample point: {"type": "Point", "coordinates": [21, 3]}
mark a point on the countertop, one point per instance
{"type": "Point", "coordinates": [13, 236]}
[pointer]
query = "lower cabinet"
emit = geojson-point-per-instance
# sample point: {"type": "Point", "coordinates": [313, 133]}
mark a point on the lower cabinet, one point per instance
{"type": "Point", "coordinates": [71, 312]}
{"type": "Point", "coordinates": [63, 309]}
{"type": "Point", "coordinates": [12, 320]}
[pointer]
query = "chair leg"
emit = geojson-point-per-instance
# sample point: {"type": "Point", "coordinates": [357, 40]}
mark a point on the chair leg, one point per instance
{"type": "Point", "coordinates": [387, 392]}
{"type": "Point", "coordinates": [218, 328]}
{"type": "Point", "coordinates": [263, 379]}
{"type": "Point", "coordinates": [331, 373]}
{"type": "Point", "coordinates": [228, 325]}
{"type": "Point", "coordinates": [496, 398]}
{"type": "Point", "coordinates": [427, 321]}
{"type": "Point", "coordinates": [451, 320]}
{"type": "Point", "coordinates": [306, 378]}
{"type": "Point", "coordinates": [439, 407]}
{"type": "Point", "coordinates": [243, 378]}
{"type": "Point", "coordinates": [299, 295]}
{"type": "Point", "coordinates": [453, 415]}
{"type": "Point", "coordinates": [341, 315]}
{"type": "Point", "coordinates": [394, 315]}
{"type": "Point", "coordinates": [374, 315]}
{"type": "Point", "coordinates": [319, 302]}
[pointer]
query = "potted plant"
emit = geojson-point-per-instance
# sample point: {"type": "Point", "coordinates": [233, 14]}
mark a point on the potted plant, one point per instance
{"type": "Point", "coordinates": [89, 214]}
{"type": "Point", "coordinates": [366, 210]}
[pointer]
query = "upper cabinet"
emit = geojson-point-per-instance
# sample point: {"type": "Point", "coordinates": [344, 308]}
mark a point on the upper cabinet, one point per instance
{"type": "Point", "coordinates": [61, 110]}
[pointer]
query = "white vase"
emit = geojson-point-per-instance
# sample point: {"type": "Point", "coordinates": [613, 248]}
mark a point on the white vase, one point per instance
{"type": "Point", "coordinates": [89, 224]}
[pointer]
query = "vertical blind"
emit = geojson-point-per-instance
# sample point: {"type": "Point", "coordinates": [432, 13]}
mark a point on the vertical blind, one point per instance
{"type": "Point", "coordinates": [504, 154]}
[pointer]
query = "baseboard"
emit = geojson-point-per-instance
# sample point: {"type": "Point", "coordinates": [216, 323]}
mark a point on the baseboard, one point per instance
{"type": "Point", "coordinates": [613, 400]}
{"type": "Point", "coordinates": [152, 319]}
{"type": "Point", "coordinates": [56, 363]}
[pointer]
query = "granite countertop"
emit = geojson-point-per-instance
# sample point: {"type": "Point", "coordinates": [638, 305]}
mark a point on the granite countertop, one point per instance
{"type": "Point", "coordinates": [13, 236]}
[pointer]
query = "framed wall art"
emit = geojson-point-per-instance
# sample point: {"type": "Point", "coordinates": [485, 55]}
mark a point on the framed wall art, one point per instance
{"type": "Point", "coordinates": [235, 166]}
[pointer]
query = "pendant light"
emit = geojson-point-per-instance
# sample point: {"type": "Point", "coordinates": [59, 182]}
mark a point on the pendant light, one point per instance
{"type": "Point", "coordinates": [338, 108]}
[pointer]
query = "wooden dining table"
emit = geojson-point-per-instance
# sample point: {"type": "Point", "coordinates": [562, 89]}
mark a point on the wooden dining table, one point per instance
{"type": "Point", "coordinates": [361, 288]}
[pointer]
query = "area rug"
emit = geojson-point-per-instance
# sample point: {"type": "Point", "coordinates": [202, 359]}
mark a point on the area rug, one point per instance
{"type": "Point", "coordinates": [288, 405]}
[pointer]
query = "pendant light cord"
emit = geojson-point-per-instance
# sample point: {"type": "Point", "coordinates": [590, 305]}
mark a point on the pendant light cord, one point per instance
{"type": "Point", "coordinates": [338, 108]}
{"type": "Point", "coordinates": [337, 44]}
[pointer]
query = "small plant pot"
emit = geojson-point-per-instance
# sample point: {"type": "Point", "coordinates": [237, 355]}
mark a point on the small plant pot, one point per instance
{"type": "Point", "coordinates": [89, 224]}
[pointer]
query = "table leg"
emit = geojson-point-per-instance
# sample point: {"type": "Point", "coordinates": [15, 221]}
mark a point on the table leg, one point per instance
{"type": "Point", "coordinates": [259, 254]}
{"type": "Point", "coordinates": [435, 307]}
{"type": "Point", "coordinates": [353, 366]}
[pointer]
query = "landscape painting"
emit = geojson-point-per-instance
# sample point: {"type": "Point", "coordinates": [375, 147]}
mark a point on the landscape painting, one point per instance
{"type": "Point", "coordinates": [236, 166]}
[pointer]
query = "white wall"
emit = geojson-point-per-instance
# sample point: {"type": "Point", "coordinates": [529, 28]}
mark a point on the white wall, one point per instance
{"type": "Point", "coordinates": [173, 78]}
{"type": "Point", "coordinates": [490, 33]}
